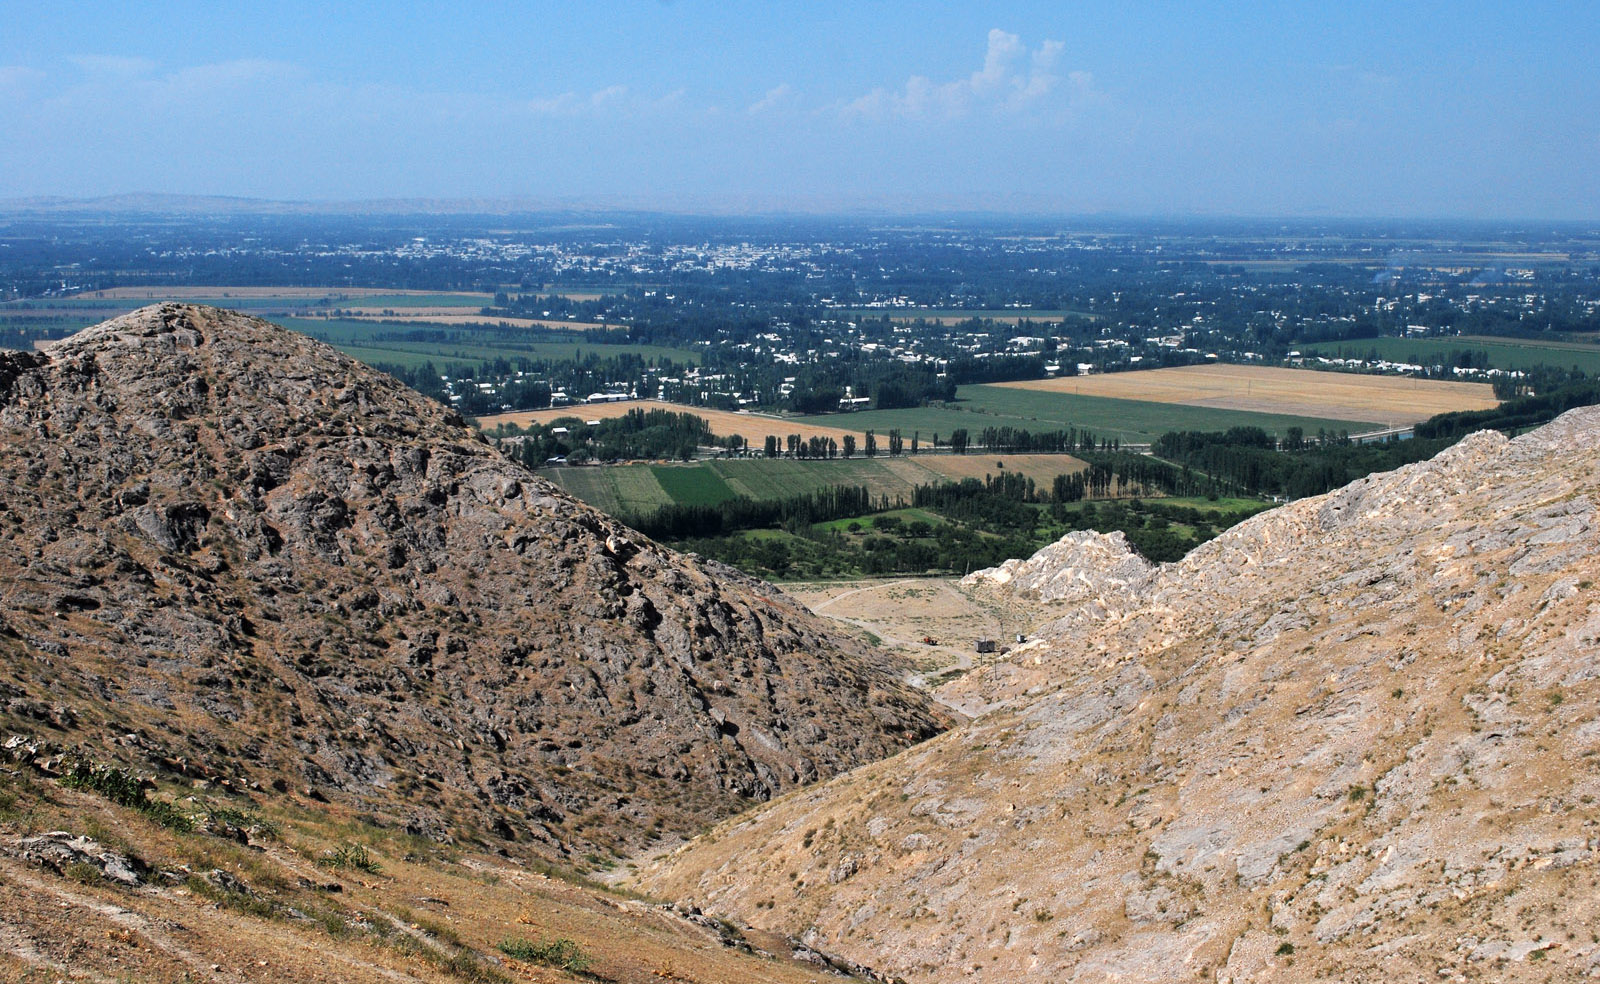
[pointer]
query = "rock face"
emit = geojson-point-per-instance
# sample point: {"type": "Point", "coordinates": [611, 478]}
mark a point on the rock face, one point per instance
{"type": "Point", "coordinates": [230, 551]}
{"type": "Point", "coordinates": [1354, 738]}
{"type": "Point", "coordinates": [1081, 567]}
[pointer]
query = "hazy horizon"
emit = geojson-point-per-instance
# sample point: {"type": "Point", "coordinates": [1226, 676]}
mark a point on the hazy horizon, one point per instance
{"type": "Point", "coordinates": [1466, 111]}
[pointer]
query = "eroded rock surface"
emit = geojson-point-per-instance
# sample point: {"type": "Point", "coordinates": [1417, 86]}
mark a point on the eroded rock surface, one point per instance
{"type": "Point", "coordinates": [229, 551]}
{"type": "Point", "coordinates": [1353, 738]}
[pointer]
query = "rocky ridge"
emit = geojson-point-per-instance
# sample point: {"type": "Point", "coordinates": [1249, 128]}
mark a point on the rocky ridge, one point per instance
{"type": "Point", "coordinates": [1354, 738]}
{"type": "Point", "coordinates": [231, 553]}
{"type": "Point", "coordinates": [1083, 567]}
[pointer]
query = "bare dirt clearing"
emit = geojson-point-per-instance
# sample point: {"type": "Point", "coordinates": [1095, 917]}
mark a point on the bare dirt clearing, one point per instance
{"type": "Point", "coordinates": [1042, 468]}
{"type": "Point", "coordinates": [901, 613]}
{"type": "Point", "coordinates": [1264, 389]}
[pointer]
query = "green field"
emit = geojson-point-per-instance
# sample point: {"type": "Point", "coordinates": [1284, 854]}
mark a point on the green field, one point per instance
{"type": "Point", "coordinates": [776, 479]}
{"type": "Point", "coordinates": [623, 489]}
{"type": "Point", "coordinates": [908, 515]}
{"type": "Point", "coordinates": [404, 357]}
{"type": "Point", "coordinates": [691, 485]}
{"type": "Point", "coordinates": [1502, 353]}
{"type": "Point", "coordinates": [642, 488]}
{"type": "Point", "coordinates": [1131, 421]}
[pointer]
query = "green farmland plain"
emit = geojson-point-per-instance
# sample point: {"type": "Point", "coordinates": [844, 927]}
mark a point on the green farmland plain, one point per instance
{"type": "Point", "coordinates": [1502, 353]}
{"type": "Point", "coordinates": [1130, 421]}
{"type": "Point", "coordinates": [642, 487]}
{"type": "Point", "coordinates": [692, 486]}
{"type": "Point", "coordinates": [613, 490]}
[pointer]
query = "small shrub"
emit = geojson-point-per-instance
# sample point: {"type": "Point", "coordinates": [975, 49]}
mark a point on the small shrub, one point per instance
{"type": "Point", "coordinates": [125, 789]}
{"type": "Point", "coordinates": [247, 820]}
{"type": "Point", "coordinates": [351, 856]}
{"type": "Point", "coordinates": [1285, 948]}
{"type": "Point", "coordinates": [438, 930]}
{"type": "Point", "coordinates": [83, 874]}
{"type": "Point", "coordinates": [562, 953]}
{"type": "Point", "coordinates": [246, 902]}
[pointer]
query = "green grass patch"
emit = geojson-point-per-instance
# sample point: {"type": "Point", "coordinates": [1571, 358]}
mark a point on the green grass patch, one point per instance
{"type": "Point", "coordinates": [692, 485]}
{"type": "Point", "coordinates": [864, 524]}
{"type": "Point", "coordinates": [562, 953]}
{"type": "Point", "coordinates": [125, 789]}
{"type": "Point", "coordinates": [615, 489]}
{"type": "Point", "coordinates": [1222, 504]}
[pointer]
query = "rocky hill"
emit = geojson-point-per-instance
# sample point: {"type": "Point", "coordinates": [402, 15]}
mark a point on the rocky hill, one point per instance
{"type": "Point", "coordinates": [229, 553]}
{"type": "Point", "coordinates": [1083, 567]}
{"type": "Point", "coordinates": [1355, 738]}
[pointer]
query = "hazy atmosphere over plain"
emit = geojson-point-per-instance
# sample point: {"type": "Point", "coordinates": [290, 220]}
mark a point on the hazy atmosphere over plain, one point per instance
{"type": "Point", "coordinates": [1361, 109]}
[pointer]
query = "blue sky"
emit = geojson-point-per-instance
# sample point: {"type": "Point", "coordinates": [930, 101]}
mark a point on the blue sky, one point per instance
{"type": "Point", "coordinates": [1458, 109]}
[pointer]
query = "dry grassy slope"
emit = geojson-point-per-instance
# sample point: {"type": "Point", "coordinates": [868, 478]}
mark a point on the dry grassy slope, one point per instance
{"type": "Point", "coordinates": [228, 551]}
{"type": "Point", "coordinates": [206, 908]}
{"type": "Point", "coordinates": [1355, 738]}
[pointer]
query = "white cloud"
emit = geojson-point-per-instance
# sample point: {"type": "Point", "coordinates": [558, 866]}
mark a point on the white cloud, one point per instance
{"type": "Point", "coordinates": [1011, 80]}
{"type": "Point", "coordinates": [131, 85]}
{"type": "Point", "coordinates": [18, 77]}
{"type": "Point", "coordinates": [778, 97]}
{"type": "Point", "coordinates": [575, 104]}
{"type": "Point", "coordinates": [118, 65]}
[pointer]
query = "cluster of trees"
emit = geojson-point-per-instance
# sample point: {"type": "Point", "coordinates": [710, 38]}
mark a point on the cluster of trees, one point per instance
{"type": "Point", "coordinates": [1002, 368]}
{"type": "Point", "coordinates": [879, 547]}
{"type": "Point", "coordinates": [889, 385]}
{"type": "Point", "coordinates": [1249, 460]}
{"type": "Point", "coordinates": [997, 504]}
{"type": "Point", "coordinates": [1514, 415]}
{"type": "Point", "coordinates": [1261, 469]}
{"type": "Point", "coordinates": [1016, 440]}
{"type": "Point", "coordinates": [639, 433]}
{"type": "Point", "coordinates": [678, 522]}
{"type": "Point", "coordinates": [522, 382]}
{"type": "Point", "coordinates": [806, 447]}
{"type": "Point", "coordinates": [796, 446]}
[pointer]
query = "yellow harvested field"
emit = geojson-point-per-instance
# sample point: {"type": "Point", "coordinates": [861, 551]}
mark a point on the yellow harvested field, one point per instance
{"type": "Point", "coordinates": [1042, 468]}
{"type": "Point", "coordinates": [257, 293]}
{"type": "Point", "coordinates": [754, 428]}
{"type": "Point", "coordinates": [1395, 400]}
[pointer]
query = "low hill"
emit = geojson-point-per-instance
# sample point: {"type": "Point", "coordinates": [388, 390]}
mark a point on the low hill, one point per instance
{"type": "Point", "coordinates": [232, 555]}
{"type": "Point", "coordinates": [1350, 739]}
